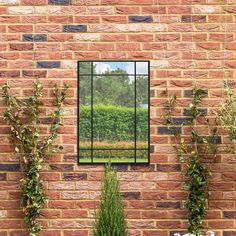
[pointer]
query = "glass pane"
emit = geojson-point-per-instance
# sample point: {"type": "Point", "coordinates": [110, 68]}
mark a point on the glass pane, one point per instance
{"type": "Point", "coordinates": [114, 67]}
{"type": "Point", "coordinates": [85, 68]}
{"type": "Point", "coordinates": [142, 123]}
{"type": "Point", "coordinates": [142, 68]}
{"type": "Point", "coordinates": [115, 156]}
{"type": "Point", "coordinates": [142, 156]}
{"type": "Point", "coordinates": [85, 156]}
{"type": "Point", "coordinates": [85, 126]}
{"type": "Point", "coordinates": [113, 111]}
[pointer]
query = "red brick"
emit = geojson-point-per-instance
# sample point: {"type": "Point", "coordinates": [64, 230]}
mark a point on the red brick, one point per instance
{"type": "Point", "coordinates": [20, 28]}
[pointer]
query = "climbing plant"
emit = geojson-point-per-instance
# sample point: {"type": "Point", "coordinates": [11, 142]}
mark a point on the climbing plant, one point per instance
{"type": "Point", "coordinates": [23, 116]}
{"type": "Point", "coordinates": [191, 152]}
{"type": "Point", "coordinates": [227, 118]}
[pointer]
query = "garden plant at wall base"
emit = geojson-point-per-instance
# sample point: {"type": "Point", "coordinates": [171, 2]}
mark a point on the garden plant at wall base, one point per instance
{"type": "Point", "coordinates": [23, 116]}
{"type": "Point", "coordinates": [110, 218]}
{"type": "Point", "coordinates": [191, 153]}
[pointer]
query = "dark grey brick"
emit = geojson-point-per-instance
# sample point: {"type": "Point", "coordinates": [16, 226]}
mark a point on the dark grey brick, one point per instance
{"type": "Point", "coordinates": [187, 112]}
{"type": "Point", "coordinates": [137, 19]}
{"type": "Point", "coordinates": [59, 2]}
{"type": "Point", "coordinates": [75, 28]}
{"type": "Point", "coordinates": [131, 195]}
{"type": "Point", "coordinates": [213, 139]}
{"type": "Point", "coordinates": [182, 120]}
{"type": "Point", "coordinates": [143, 167]}
{"type": "Point", "coordinates": [229, 233]}
{"type": "Point", "coordinates": [189, 93]}
{"type": "Point", "coordinates": [120, 167]}
{"type": "Point", "coordinates": [168, 130]}
{"type": "Point", "coordinates": [48, 64]}
{"type": "Point", "coordinates": [9, 167]}
{"type": "Point", "coordinates": [152, 149]}
{"type": "Point", "coordinates": [230, 214]}
{"type": "Point", "coordinates": [75, 176]}
{"type": "Point", "coordinates": [172, 205]}
{"type": "Point", "coordinates": [62, 167]}
{"type": "Point", "coordinates": [169, 167]}
{"type": "Point", "coordinates": [35, 37]}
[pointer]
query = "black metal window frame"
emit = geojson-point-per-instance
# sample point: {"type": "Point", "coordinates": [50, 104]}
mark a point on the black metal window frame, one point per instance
{"type": "Point", "coordinates": [135, 107]}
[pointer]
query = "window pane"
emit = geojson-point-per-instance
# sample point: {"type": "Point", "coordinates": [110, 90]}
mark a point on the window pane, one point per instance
{"type": "Point", "coordinates": [85, 126]}
{"type": "Point", "coordinates": [114, 67]}
{"type": "Point", "coordinates": [142, 112]}
{"type": "Point", "coordinates": [142, 68]}
{"type": "Point", "coordinates": [85, 68]}
{"type": "Point", "coordinates": [116, 156]}
{"type": "Point", "coordinates": [113, 111]}
{"type": "Point", "coordinates": [142, 156]}
{"type": "Point", "coordinates": [85, 156]}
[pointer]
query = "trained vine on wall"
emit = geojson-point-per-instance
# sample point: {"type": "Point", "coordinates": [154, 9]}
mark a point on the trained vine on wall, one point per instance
{"type": "Point", "coordinates": [23, 116]}
{"type": "Point", "coordinates": [191, 152]}
{"type": "Point", "coordinates": [227, 118]}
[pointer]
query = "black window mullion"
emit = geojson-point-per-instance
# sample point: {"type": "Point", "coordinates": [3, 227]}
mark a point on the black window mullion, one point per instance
{"type": "Point", "coordinates": [135, 116]}
{"type": "Point", "coordinates": [92, 112]}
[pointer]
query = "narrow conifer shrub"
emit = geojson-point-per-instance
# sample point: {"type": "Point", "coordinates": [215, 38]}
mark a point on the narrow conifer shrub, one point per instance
{"type": "Point", "coordinates": [110, 219]}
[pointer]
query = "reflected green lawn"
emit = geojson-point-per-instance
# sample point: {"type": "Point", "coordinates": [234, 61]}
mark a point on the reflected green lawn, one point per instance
{"type": "Point", "coordinates": [114, 160]}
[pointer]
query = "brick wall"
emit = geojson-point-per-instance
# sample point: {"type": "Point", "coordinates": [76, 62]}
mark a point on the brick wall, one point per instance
{"type": "Point", "coordinates": [45, 39]}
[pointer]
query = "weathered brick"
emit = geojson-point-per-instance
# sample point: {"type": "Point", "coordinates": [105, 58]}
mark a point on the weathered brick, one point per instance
{"type": "Point", "coordinates": [3, 176]}
{"type": "Point", "coordinates": [193, 18]}
{"type": "Point", "coordinates": [48, 64]}
{"type": "Point", "coordinates": [35, 37]}
{"type": "Point", "coordinates": [34, 73]}
{"type": "Point", "coordinates": [74, 28]}
{"type": "Point", "coordinates": [21, 46]}
{"type": "Point", "coordinates": [138, 19]}
{"type": "Point", "coordinates": [9, 2]}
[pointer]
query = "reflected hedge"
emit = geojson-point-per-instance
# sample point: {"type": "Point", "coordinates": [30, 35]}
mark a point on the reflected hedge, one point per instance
{"type": "Point", "coordinates": [113, 123]}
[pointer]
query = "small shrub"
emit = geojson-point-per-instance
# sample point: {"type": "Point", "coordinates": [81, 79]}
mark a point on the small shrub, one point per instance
{"type": "Point", "coordinates": [110, 220]}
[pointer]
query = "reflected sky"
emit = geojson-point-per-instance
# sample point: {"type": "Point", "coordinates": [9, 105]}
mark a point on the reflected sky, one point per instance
{"type": "Point", "coordinates": [141, 67]}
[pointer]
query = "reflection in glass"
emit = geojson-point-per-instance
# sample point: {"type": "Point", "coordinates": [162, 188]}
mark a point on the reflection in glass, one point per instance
{"type": "Point", "coordinates": [114, 67]}
{"type": "Point", "coordinates": [85, 110]}
{"type": "Point", "coordinates": [142, 68]}
{"type": "Point", "coordinates": [113, 112]}
{"type": "Point", "coordinates": [142, 124]}
{"type": "Point", "coordinates": [116, 156]}
{"type": "Point", "coordinates": [85, 68]}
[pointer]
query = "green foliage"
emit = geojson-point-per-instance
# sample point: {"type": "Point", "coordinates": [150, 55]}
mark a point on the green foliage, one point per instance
{"type": "Point", "coordinates": [112, 88]}
{"type": "Point", "coordinates": [23, 118]}
{"type": "Point", "coordinates": [190, 154]}
{"type": "Point", "coordinates": [110, 220]}
{"type": "Point", "coordinates": [113, 123]}
{"type": "Point", "coordinates": [227, 117]}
